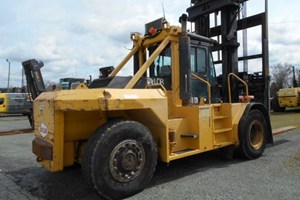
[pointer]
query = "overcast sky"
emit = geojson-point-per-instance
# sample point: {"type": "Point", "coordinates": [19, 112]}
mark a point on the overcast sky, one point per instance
{"type": "Point", "coordinates": [75, 38]}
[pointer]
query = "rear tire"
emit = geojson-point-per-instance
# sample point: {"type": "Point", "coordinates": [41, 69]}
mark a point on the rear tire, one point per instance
{"type": "Point", "coordinates": [124, 160]}
{"type": "Point", "coordinates": [253, 135]}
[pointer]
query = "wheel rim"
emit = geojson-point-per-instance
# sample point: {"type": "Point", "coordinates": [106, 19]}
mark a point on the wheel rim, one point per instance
{"type": "Point", "coordinates": [126, 161]}
{"type": "Point", "coordinates": [256, 134]}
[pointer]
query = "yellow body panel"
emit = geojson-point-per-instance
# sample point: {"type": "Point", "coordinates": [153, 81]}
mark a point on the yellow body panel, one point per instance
{"type": "Point", "coordinates": [289, 97]}
{"type": "Point", "coordinates": [237, 111]}
{"type": "Point", "coordinates": [203, 128]}
{"type": "Point", "coordinates": [196, 128]}
{"type": "Point", "coordinates": [64, 118]}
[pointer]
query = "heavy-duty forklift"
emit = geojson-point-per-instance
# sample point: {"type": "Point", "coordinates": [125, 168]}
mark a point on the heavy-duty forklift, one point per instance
{"type": "Point", "coordinates": [171, 108]}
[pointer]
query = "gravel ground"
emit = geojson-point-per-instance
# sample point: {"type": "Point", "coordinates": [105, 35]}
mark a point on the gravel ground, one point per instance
{"type": "Point", "coordinates": [275, 175]}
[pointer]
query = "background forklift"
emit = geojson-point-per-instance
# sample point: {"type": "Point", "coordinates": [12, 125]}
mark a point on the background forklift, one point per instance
{"type": "Point", "coordinates": [170, 109]}
{"type": "Point", "coordinates": [287, 97]}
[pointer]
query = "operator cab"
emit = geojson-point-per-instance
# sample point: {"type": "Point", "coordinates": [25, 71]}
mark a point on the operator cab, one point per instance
{"type": "Point", "coordinates": [201, 64]}
{"type": "Point", "coordinates": [198, 61]}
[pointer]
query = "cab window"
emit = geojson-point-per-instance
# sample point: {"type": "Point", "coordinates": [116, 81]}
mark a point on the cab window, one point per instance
{"type": "Point", "coordinates": [212, 74]}
{"type": "Point", "coordinates": [202, 64]}
{"type": "Point", "coordinates": [160, 70]}
{"type": "Point", "coordinates": [162, 64]}
{"type": "Point", "coordinates": [198, 60]}
{"type": "Point", "coordinates": [1, 101]}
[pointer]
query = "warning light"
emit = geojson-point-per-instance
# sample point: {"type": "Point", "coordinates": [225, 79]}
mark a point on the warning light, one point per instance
{"type": "Point", "coordinates": [152, 30]}
{"type": "Point", "coordinates": [154, 27]}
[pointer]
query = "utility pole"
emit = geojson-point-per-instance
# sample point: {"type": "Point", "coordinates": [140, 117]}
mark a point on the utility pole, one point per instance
{"type": "Point", "coordinates": [294, 78]}
{"type": "Point", "coordinates": [265, 59]}
{"type": "Point", "coordinates": [22, 82]}
{"type": "Point", "coordinates": [245, 43]}
{"type": "Point", "coordinates": [8, 75]}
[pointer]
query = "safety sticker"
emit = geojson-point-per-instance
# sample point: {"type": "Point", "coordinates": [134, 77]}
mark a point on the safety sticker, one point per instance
{"type": "Point", "coordinates": [43, 129]}
{"type": "Point", "coordinates": [42, 105]}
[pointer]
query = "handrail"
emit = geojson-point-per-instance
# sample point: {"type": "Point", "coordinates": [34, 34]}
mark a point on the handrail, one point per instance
{"type": "Point", "coordinates": [241, 80]}
{"type": "Point", "coordinates": [208, 86]}
{"type": "Point", "coordinates": [157, 84]}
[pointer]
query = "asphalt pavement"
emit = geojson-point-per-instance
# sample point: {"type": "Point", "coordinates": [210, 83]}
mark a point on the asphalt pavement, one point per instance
{"type": "Point", "coordinates": [275, 175]}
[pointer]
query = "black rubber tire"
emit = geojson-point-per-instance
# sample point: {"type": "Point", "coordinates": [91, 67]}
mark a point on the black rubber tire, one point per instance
{"type": "Point", "coordinates": [253, 130]}
{"type": "Point", "coordinates": [276, 106]}
{"type": "Point", "coordinates": [108, 180]}
{"type": "Point", "coordinates": [86, 164]}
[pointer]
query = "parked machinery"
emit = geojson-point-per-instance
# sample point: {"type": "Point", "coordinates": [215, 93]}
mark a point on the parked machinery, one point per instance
{"type": "Point", "coordinates": [169, 109]}
{"type": "Point", "coordinates": [287, 97]}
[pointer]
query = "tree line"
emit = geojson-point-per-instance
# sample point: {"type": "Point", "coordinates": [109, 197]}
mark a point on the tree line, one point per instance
{"type": "Point", "coordinates": [282, 77]}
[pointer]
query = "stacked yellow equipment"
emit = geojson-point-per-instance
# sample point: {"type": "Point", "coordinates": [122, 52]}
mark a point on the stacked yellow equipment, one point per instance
{"type": "Point", "coordinates": [287, 98]}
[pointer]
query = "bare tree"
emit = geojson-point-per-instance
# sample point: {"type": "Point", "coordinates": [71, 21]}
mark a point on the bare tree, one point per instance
{"type": "Point", "coordinates": [281, 74]}
{"type": "Point", "coordinates": [297, 74]}
{"type": "Point", "coordinates": [49, 85]}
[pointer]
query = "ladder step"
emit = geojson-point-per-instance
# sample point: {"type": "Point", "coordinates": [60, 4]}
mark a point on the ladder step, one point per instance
{"type": "Point", "coordinates": [223, 144]}
{"type": "Point", "coordinates": [184, 151]}
{"type": "Point", "coordinates": [222, 130]}
{"type": "Point", "coordinates": [193, 136]}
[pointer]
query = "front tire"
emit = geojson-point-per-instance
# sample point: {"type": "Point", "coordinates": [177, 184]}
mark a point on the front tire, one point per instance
{"type": "Point", "coordinates": [253, 135]}
{"type": "Point", "coordinates": [124, 160]}
{"type": "Point", "coordinates": [86, 164]}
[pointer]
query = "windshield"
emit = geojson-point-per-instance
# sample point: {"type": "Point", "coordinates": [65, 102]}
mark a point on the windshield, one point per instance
{"type": "Point", "coordinates": [160, 70]}
{"type": "Point", "coordinates": [64, 85]}
{"type": "Point", "coordinates": [161, 67]}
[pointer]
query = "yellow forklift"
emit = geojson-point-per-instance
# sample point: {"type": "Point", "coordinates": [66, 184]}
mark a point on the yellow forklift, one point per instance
{"type": "Point", "coordinates": [171, 108]}
{"type": "Point", "coordinates": [287, 97]}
